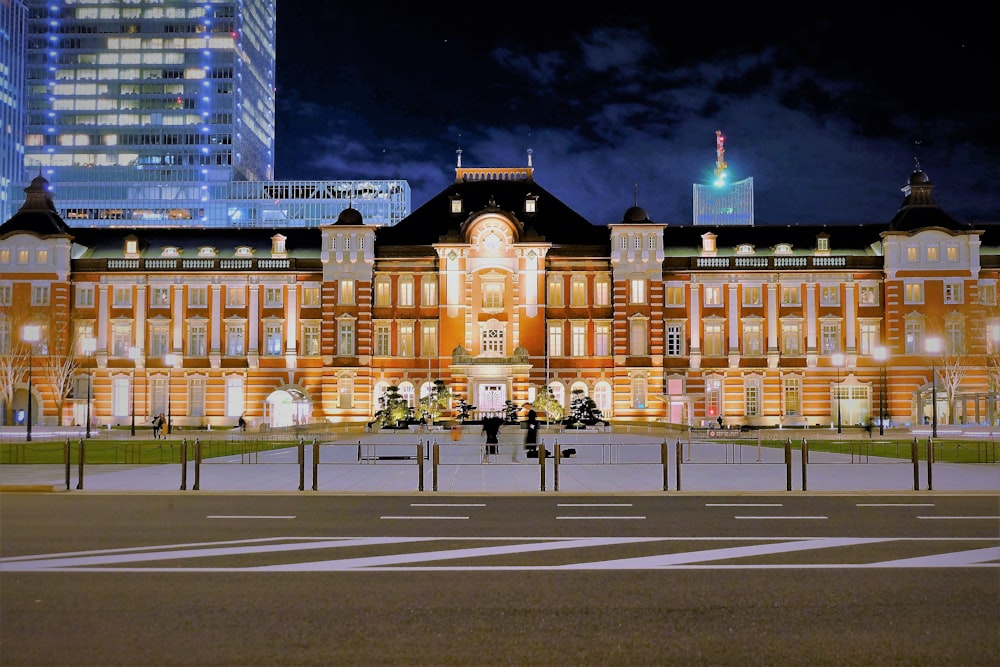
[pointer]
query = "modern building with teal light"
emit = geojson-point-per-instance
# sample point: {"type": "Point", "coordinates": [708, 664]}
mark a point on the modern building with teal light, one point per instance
{"type": "Point", "coordinates": [723, 203]}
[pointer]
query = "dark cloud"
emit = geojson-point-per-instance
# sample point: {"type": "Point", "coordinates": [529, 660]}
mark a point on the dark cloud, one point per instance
{"type": "Point", "coordinates": [823, 112]}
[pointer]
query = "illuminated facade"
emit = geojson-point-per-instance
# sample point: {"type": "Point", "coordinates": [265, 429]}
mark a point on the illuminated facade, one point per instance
{"type": "Point", "coordinates": [13, 19]}
{"type": "Point", "coordinates": [500, 289]}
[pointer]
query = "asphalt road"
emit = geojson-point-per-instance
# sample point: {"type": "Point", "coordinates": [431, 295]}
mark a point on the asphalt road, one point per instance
{"type": "Point", "coordinates": [282, 579]}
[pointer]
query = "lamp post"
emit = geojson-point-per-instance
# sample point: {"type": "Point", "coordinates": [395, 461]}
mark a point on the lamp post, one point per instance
{"type": "Point", "coordinates": [881, 355]}
{"type": "Point", "coordinates": [838, 361]}
{"type": "Point", "coordinates": [172, 360]}
{"type": "Point", "coordinates": [933, 347]}
{"type": "Point", "coordinates": [89, 345]}
{"type": "Point", "coordinates": [133, 354]}
{"type": "Point", "coordinates": [31, 334]}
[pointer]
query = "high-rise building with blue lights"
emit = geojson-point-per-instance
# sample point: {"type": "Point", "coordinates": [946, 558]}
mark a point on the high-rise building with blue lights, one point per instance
{"type": "Point", "coordinates": [723, 203]}
{"type": "Point", "coordinates": [13, 20]}
{"type": "Point", "coordinates": [161, 112]}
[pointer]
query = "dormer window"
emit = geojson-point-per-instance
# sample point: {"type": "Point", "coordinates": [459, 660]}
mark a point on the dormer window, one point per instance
{"type": "Point", "coordinates": [783, 249]}
{"type": "Point", "coordinates": [708, 243]}
{"type": "Point", "coordinates": [456, 204]}
{"type": "Point", "coordinates": [531, 203]}
{"type": "Point", "coordinates": [744, 249]}
{"type": "Point", "coordinates": [823, 243]}
{"type": "Point", "coordinates": [131, 246]}
{"type": "Point", "coordinates": [206, 251]}
{"type": "Point", "coordinates": [170, 251]}
{"type": "Point", "coordinates": [244, 251]}
{"type": "Point", "coordinates": [278, 245]}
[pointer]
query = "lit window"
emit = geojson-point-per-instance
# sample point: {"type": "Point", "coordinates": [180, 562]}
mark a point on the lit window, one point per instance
{"type": "Point", "coordinates": [674, 295]}
{"type": "Point", "coordinates": [405, 292]}
{"type": "Point", "coordinates": [382, 340]}
{"type": "Point", "coordinates": [578, 291]}
{"type": "Point", "coordinates": [602, 339]}
{"type": "Point", "coordinates": [602, 291]}
{"type": "Point", "coordinates": [638, 337]}
{"type": "Point", "coordinates": [428, 291]}
{"type": "Point", "coordinates": [555, 291]}
{"type": "Point", "coordinates": [311, 296]}
{"type": "Point", "coordinates": [713, 339]}
{"type": "Point", "coordinates": [556, 339]}
{"type": "Point", "coordinates": [713, 295]}
{"type": "Point", "coordinates": [913, 293]}
{"type": "Point", "coordinates": [829, 295]}
{"type": "Point", "coordinates": [310, 339]}
{"type": "Point", "coordinates": [953, 292]}
{"type": "Point", "coordinates": [868, 295]}
{"type": "Point", "coordinates": [236, 297]}
{"type": "Point", "coordinates": [39, 295]}
{"type": "Point", "coordinates": [637, 290]}
{"type": "Point", "coordinates": [273, 297]}
{"type": "Point", "coordinates": [382, 291]}
{"type": "Point", "coordinates": [751, 295]}
{"type": "Point", "coordinates": [406, 342]}
{"type": "Point", "coordinates": [345, 338]}
{"type": "Point", "coordinates": [932, 253]}
{"type": "Point", "coordinates": [790, 295]}
{"type": "Point", "coordinates": [346, 291]}
{"type": "Point", "coordinates": [578, 339]}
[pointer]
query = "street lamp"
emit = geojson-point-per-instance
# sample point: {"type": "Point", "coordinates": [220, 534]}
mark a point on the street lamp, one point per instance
{"type": "Point", "coordinates": [881, 355]}
{"type": "Point", "coordinates": [88, 346]}
{"type": "Point", "coordinates": [30, 334]}
{"type": "Point", "coordinates": [933, 347]}
{"type": "Point", "coordinates": [172, 361]}
{"type": "Point", "coordinates": [133, 354]}
{"type": "Point", "coordinates": [838, 361]}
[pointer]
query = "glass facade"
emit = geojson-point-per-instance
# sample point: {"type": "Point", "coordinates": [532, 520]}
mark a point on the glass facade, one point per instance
{"type": "Point", "coordinates": [13, 20]}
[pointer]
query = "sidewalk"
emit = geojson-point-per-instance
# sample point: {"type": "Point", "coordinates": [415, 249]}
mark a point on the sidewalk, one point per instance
{"type": "Point", "coordinates": [619, 462]}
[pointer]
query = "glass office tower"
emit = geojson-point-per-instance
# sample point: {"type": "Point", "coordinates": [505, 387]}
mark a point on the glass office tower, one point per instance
{"type": "Point", "coordinates": [13, 17]}
{"type": "Point", "coordinates": [150, 103]}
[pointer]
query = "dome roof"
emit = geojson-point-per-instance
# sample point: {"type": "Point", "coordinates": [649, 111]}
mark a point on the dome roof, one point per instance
{"type": "Point", "coordinates": [349, 216]}
{"type": "Point", "coordinates": [635, 214]}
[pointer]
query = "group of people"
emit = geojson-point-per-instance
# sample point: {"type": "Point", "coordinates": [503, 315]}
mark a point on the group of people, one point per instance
{"type": "Point", "coordinates": [491, 427]}
{"type": "Point", "coordinates": [158, 422]}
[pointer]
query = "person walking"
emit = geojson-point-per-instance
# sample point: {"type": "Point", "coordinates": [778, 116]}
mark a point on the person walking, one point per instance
{"type": "Point", "coordinates": [531, 437]}
{"type": "Point", "coordinates": [491, 427]}
{"type": "Point", "coordinates": [242, 423]}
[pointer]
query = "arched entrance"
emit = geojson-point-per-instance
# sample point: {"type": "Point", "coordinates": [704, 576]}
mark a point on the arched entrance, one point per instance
{"type": "Point", "coordinates": [287, 406]}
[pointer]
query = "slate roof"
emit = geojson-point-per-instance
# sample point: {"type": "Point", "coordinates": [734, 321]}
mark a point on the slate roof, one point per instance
{"type": "Point", "coordinates": [38, 214]}
{"type": "Point", "coordinates": [553, 222]}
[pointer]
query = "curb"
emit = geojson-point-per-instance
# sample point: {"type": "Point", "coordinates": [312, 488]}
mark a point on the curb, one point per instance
{"type": "Point", "coordinates": [28, 488]}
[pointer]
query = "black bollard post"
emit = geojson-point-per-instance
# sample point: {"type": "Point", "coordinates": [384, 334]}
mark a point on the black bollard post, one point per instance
{"type": "Point", "coordinates": [66, 461]}
{"type": "Point", "coordinates": [434, 467]}
{"type": "Point", "coordinates": [679, 455]}
{"type": "Point", "coordinates": [315, 486]}
{"type": "Point", "coordinates": [930, 464]}
{"type": "Point", "coordinates": [79, 474]}
{"type": "Point", "coordinates": [197, 465]}
{"type": "Point", "coordinates": [805, 463]}
{"type": "Point", "coordinates": [665, 463]}
{"type": "Point", "coordinates": [915, 458]}
{"type": "Point", "coordinates": [788, 464]}
{"type": "Point", "coordinates": [184, 463]}
{"type": "Point", "coordinates": [541, 463]}
{"type": "Point", "coordinates": [420, 466]}
{"type": "Point", "coordinates": [301, 449]}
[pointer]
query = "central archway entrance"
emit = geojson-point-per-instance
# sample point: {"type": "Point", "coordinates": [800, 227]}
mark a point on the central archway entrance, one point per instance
{"type": "Point", "coordinates": [287, 406]}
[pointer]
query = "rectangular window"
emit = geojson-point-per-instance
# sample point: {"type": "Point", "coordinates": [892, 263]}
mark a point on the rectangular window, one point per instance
{"type": "Point", "coordinates": [121, 339]}
{"type": "Point", "coordinates": [196, 397]}
{"type": "Point", "coordinates": [159, 297]}
{"type": "Point", "coordinates": [578, 339]}
{"type": "Point", "coordinates": [122, 296]}
{"type": "Point", "coordinates": [637, 290]}
{"type": "Point", "coordinates": [954, 332]}
{"type": "Point", "coordinates": [713, 397]}
{"type": "Point", "coordinates": [912, 254]}
{"type": "Point", "coordinates": [428, 291]}
{"type": "Point", "coordinates": [830, 338]}
{"type": "Point", "coordinates": [914, 338]}
{"type": "Point", "coordinates": [793, 397]}
{"type": "Point", "coordinates": [578, 292]}
{"type": "Point", "coordinates": [493, 296]}
{"type": "Point", "coordinates": [869, 338]}
{"type": "Point", "coordinates": [602, 339]}
{"type": "Point", "coordinates": [120, 394]}
{"type": "Point", "coordinates": [382, 340]}
{"type": "Point", "coordinates": [345, 338]}
{"type": "Point", "coordinates": [751, 397]}
{"type": "Point", "coordinates": [346, 292]}
{"type": "Point", "coordinates": [494, 342]}
{"type": "Point", "coordinates": [197, 340]}
{"type": "Point", "coordinates": [555, 291]}
{"type": "Point", "coordinates": [236, 297]}
{"type": "Point", "coordinates": [951, 253]}
{"type": "Point", "coordinates": [39, 295]}
{"type": "Point", "coordinates": [406, 291]}
{"type": "Point", "coordinates": [913, 293]}
{"type": "Point", "coordinates": [790, 295]}
{"type": "Point", "coordinates": [988, 293]}
{"type": "Point", "coordinates": [829, 295]}
{"type": "Point", "coordinates": [382, 295]}
{"type": "Point", "coordinates": [556, 339]}
{"type": "Point", "coordinates": [713, 340]}
{"type": "Point", "coordinates": [405, 339]}
{"type": "Point", "coordinates": [310, 297]}
{"type": "Point", "coordinates": [428, 339]}
{"type": "Point", "coordinates": [158, 339]}
{"type": "Point", "coordinates": [675, 340]}
{"type": "Point", "coordinates": [791, 338]}
{"type": "Point", "coordinates": [602, 291]}
{"type": "Point", "coordinates": [197, 297]}
{"type": "Point", "coordinates": [868, 295]}
{"type": "Point", "coordinates": [674, 295]}
{"type": "Point", "coordinates": [272, 340]}
{"type": "Point", "coordinates": [932, 253]}
{"type": "Point", "coordinates": [273, 297]}
{"type": "Point", "coordinates": [310, 339]}
{"type": "Point", "coordinates": [752, 340]}
{"type": "Point", "coordinates": [235, 340]}
{"type": "Point", "coordinates": [751, 295]}
{"type": "Point", "coordinates": [84, 296]}
{"type": "Point", "coordinates": [713, 295]}
{"type": "Point", "coordinates": [639, 392]}
{"type": "Point", "coordinates": [953, 292]}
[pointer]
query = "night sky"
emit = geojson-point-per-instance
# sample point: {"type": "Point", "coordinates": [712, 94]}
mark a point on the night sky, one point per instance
{"type": "Point", "coordinates": [827, 112]}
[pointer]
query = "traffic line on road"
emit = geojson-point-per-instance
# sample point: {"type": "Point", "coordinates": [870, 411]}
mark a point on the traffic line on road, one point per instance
{"type": "Point", "coordinates": [250, 516]}
{"type": "Point", "coordinates": [447, 504]}
{"type": "Point", "coordinates": [894, 504]}
{"type": "Point", "coordinates": [415, 517]}
{"type": "Point", "coordinates": [767, 518]}
{"type": "Point", "coordinates": [951, 518]}
{"type": "Point", "coordinates": [593, 504]}
{"type": "Point", "coordinates": [744, 504]}
{"type": "Point", "coordinates": [599, 518]}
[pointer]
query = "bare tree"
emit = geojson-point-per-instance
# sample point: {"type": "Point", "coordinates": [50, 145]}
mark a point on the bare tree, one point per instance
{"type": "Point", "coordinates": [951, 368]}
{"type": "Point", "coordinates": [60, 368]}
{"type": "Point", "coordinates": [13, 372]}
